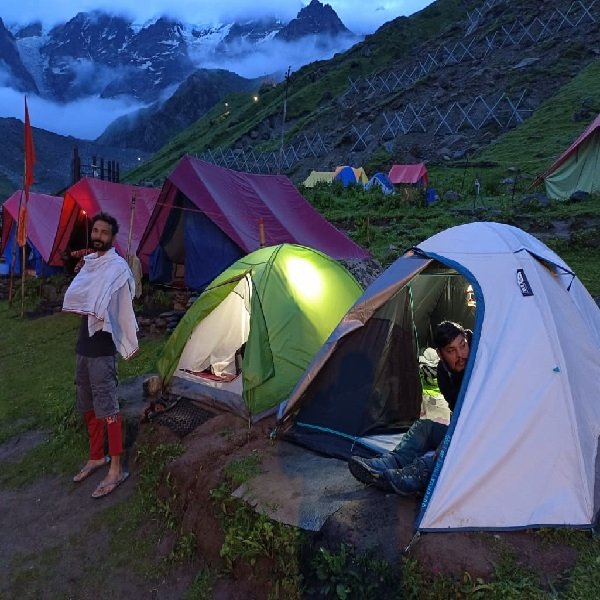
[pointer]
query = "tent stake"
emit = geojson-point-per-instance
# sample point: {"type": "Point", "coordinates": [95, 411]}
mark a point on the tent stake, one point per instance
{"type": "Point", "coordinates": [413, 541]}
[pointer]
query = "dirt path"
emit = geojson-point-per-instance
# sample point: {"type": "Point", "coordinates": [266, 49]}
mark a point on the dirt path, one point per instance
{"type": "Point", "coordinates": [56, 539]}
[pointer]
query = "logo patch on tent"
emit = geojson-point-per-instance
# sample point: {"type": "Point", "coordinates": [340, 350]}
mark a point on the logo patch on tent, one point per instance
{"type": "Point", "coordinates": [523, 283]}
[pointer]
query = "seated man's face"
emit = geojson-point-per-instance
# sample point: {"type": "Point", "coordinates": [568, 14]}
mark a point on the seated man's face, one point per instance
{"type": "Point", "coordinates": [455, 354]}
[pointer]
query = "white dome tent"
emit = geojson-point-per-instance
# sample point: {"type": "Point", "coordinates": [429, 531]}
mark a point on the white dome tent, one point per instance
{"type": "Point", "coordinates": [522, 444]}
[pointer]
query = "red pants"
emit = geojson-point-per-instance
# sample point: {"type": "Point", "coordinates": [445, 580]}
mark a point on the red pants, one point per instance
{"type": "Point", "coordinates": [95, 429]}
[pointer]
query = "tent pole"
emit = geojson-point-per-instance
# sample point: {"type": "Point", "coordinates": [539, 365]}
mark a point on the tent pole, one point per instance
{"type": "Point", "coordinates": [23, 279]}
{"type": "Point", "coordinates": [261, 232]}
{"type": "Point", "coordinates": [130, 226]}
{"type": "Point", "coordinates": [13, 259]}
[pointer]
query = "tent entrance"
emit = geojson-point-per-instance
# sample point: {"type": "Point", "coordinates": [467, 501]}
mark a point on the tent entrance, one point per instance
{"type": "Point", "coordinates": [370, 388]}
{"type": "Point", "coordinates": [210, 364]}
{"type": "Point", "coordinates": [215, 344]}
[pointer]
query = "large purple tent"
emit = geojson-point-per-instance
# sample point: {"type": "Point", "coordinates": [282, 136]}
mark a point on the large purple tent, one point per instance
{"type": "Point", "coordinates": [207, 217]}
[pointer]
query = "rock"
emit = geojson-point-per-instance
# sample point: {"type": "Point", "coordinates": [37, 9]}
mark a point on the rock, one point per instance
{"type": "Point", "coordinates": [160, 324]}
{"type": "Point", "coordinates": [579, 196]}
{"type": "Point", "coordinates": [451, 196]}
{"type": "Point", "coordinates": [526, 62]}
{"type": "Point", "coordinates": [538, 198]}
{"type": "Point", "coordinates": [49, 293]}
{"type": "Point", "coordinates": [151, 386]}
{"type": "Point", "coordinates": [364, 271]}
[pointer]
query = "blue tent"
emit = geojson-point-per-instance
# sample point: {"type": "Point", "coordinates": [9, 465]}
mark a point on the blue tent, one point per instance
{"type": "Point", "coordinates": [347, 176]}
{"type": "Point", "coordinates": [381, 180]}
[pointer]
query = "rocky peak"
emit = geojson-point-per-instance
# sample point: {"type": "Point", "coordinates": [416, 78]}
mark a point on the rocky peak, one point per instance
{"type": "Point", "coordinates": [314, 19]}
{"type": "Point", "coordinates": [94, 36]}
{"type": "Point", "coordinates": [252, 31]}
{"type": "Point", "coordinates": [31, 30]}
{"type": "Point", "coordinates": [20, 79]}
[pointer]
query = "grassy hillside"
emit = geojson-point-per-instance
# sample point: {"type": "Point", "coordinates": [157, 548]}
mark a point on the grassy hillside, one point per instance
{"type": "Point", "coordinates": [6, 188]}
{"type": "Point", "coordinates": [309, 91]}
{"type": "Point", "coordinates": [527, 150]}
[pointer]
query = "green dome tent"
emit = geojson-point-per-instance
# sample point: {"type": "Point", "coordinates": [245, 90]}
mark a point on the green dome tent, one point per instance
{"type": "Point", "coordinates": [247, 339]}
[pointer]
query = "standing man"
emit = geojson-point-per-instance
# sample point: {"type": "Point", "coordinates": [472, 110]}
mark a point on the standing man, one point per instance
{"type": "Point", "coordinates": [102, 292]}
{"type": "Point", "coordinates": [408, 467]}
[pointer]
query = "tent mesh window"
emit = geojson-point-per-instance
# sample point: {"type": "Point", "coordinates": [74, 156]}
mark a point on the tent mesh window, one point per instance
{"type": "Point", "coordinates": [184, 417]}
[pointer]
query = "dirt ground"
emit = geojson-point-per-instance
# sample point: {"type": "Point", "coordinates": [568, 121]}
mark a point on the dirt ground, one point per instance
{"type": "Point", "coordinates": [56, 516]}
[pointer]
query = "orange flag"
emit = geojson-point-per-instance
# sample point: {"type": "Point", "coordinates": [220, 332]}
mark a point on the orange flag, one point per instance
{"type": "Point", "coordinates": [28, 179]}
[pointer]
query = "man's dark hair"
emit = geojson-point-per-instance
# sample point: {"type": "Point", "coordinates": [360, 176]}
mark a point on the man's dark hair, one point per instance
{"type": "Point", "coordinates": [445, 332]}
{"type": "Point", "coordinates": [102, 216]}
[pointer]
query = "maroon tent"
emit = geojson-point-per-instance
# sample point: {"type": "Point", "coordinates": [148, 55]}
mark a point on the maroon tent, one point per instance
{"type": "Point", "coordinates": [413, 174]}
{"type": "Point", "coordinates": [90, 196]}
{"type": "Point", "coordinates": [207, 217]}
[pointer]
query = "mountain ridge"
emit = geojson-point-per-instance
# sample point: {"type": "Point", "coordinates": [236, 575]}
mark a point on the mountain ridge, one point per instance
{"type": "Point", "coordinates": [99, 53]}
{"type": "Point", "coordinates": [438, 86]}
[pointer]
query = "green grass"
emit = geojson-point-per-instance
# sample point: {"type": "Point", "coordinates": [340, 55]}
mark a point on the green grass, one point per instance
{"type": "Point", "coordinates": [36, 371]}
{"type": "Point", "coordinates": [388, 226]}
{"type": "Point", "coordinates": [532, 146]}
{"type": "Point", "coordinates": [37, 363]}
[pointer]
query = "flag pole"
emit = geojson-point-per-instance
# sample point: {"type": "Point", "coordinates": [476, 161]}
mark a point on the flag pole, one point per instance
{"type": "Point", "coordinates": [29, 161]}
{"type": "Point", "coordinates": [13, 255]}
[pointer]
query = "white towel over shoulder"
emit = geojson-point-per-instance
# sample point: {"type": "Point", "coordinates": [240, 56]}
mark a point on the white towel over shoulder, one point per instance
{"type": "Point", "coordinates": [104, 290]}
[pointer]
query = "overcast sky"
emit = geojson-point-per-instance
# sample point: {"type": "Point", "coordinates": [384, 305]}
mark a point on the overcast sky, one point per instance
{"type": "Point", "coordinates": [87, 118]}
{"type": "Point", "coordinates": [359, 16]}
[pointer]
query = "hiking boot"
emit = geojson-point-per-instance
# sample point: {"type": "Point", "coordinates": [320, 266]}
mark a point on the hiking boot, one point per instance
{"type": "Point", "coordinates": [370, 470]}
{"type": "Point", "coordinates": [413, 479]}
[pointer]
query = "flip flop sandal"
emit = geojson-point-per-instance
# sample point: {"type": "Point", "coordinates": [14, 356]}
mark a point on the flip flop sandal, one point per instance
{"type": "Point", "coordinates": [86, 471]}
{"type": "Point", "coordinates": [108, 488]}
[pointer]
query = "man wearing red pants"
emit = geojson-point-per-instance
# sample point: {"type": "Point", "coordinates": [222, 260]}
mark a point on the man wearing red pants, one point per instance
{"type": "Point", "coordinates": [102, 292]}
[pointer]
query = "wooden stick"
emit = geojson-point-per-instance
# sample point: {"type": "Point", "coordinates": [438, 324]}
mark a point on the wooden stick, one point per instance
{"type": "Point", "coordinates": [261, 232]}
{"type": "Point", "coordinates": [13, 257]}
{"type": "Point", "coordinates": [130, 227]}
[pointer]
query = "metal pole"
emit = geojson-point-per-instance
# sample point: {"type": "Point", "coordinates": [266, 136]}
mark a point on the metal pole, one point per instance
{"type": "Point", "coordinates": [285, 96]}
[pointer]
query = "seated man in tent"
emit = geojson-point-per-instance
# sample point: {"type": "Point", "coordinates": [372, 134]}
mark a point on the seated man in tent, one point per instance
{"type": "Point", "coordinates": [408, 467]}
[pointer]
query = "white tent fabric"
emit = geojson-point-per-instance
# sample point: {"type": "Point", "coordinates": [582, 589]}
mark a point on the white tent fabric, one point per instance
{"type": "Point", "coordinates": [215, 340]}
{"type": "Point", "coordinates": [522, 446]}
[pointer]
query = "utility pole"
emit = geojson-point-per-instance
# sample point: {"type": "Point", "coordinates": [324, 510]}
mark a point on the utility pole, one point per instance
{"type": "Point", "coordinates": [285, 97]}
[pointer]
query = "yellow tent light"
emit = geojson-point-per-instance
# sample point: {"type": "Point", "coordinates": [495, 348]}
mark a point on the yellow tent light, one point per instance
{"type": "Point", "coordinates": [305, 278]}
{"type": "Point", "coordinates": [471, 303]}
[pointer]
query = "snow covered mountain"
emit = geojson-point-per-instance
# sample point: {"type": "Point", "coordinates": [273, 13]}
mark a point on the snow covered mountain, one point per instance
{"type": "Point", "coordinates": [97, 54]}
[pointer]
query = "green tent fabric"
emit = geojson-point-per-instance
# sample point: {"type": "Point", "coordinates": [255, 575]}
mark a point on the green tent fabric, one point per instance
{"type": "Point", "coordinates": [279, 304]}
{"type": "Point", "coordinates": [577, 168]}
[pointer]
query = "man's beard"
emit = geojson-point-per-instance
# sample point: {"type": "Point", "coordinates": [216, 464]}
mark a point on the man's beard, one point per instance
{"type": "Point", "coordinates": [100, 246]}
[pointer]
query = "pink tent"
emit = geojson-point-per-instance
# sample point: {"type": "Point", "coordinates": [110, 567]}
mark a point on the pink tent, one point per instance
{"type": "Point", "coordinates": [90, 196]}
{"type": "Point", "coordinates": [43, 213]}
{"type": "Point", "coordinates": [414, 174]}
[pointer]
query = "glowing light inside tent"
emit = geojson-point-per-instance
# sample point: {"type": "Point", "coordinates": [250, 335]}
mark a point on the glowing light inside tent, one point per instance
{"type": "Point", "coordinates": [305, 277]}
{"type": "Point", "coordinates": [471, 303]}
